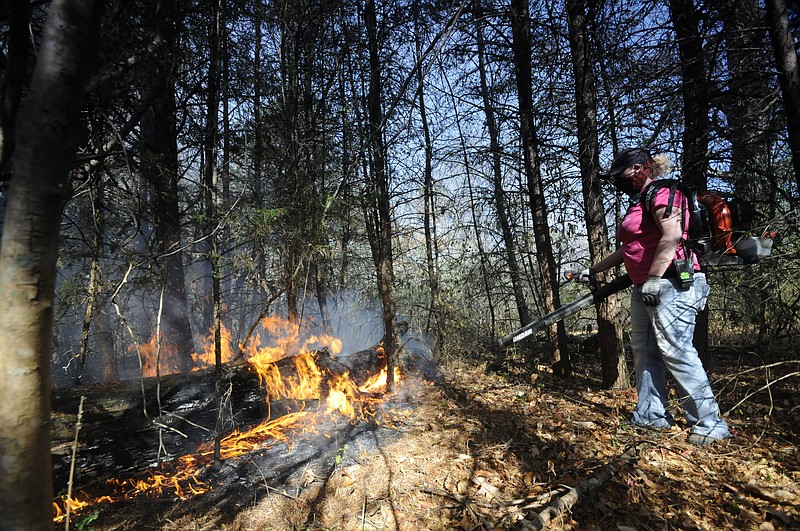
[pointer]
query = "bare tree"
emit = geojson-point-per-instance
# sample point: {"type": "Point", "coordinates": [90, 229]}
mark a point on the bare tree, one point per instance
{"type": "Point", "coordinates": [788, 73]}
{"type": "Point", "coordinates": [501, 208]}
{"type": "Point", "coordinates": [521, 45]}
{"type": "Point", "coordinates": [609, 329]}
{"type": "Point", "coordinates": [436, 311]}
{"type": "Point", "coordinates": [380, 207]}
{"type": "Point", "coordinates": [41, 161]}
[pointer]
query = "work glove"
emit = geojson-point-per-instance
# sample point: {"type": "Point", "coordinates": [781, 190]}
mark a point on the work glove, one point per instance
{"type": "Point", "coordinates": [651, 291]}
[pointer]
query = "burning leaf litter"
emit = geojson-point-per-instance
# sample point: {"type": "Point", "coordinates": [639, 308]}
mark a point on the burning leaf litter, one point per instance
{"type": "Point", "coordinates": [341, 396]}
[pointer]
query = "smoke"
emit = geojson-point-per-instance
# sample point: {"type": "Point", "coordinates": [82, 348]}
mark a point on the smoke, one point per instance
{"type": "Point", "coordinates": [358, 323]}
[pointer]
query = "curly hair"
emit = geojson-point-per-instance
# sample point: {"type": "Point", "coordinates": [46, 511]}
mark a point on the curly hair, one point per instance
{"type": "Point", "coordinates": [660, 165]}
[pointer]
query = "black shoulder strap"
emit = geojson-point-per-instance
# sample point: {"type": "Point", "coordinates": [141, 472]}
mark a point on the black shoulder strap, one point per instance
{"type": "Point", "coordinates": [649, 195]}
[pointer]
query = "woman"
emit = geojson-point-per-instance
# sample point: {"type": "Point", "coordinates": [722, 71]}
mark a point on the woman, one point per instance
{"type": "Point", "coordinates": [663, 309]}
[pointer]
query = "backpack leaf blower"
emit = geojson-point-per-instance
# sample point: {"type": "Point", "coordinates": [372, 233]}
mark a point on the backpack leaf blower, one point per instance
{"type": "Point", "coordinates": [598, 295]}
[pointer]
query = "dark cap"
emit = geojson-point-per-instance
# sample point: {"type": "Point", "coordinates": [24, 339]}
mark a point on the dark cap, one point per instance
{"type": "Point", "coordinates": [625, 159]}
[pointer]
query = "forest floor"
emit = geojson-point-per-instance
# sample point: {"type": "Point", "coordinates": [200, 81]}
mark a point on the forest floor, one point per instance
{"type": "Point", "coordinates": [480, 450]}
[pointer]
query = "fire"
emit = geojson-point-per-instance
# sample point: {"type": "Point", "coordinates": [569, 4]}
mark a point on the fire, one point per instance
{"type": "Point", "coordinates": [239, 443]}
{"type": "Point", "coordinates": [157, 352]}
{"type": "Point", "coordinates": [342, 394]}
{"type": "Point", "coordinates": [300, 378]}
{"type": "Point", "coordinates": [282, 338]}
{"type": "Point", "coordinates": [305, 385]}
{"type": "Point", "coordinates": [206, 357]}
{"type": "Point", "coordinates": [378, 381]}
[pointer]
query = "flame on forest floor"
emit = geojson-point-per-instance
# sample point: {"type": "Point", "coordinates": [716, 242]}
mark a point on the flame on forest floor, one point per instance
{"type": "Point", "coordinates": [307, 381]}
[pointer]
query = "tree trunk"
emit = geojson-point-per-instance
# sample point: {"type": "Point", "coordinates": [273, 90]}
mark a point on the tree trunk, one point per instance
{"type": "Point", "coordinates": [497, 181]}
{"type": "Point", "coordinates": [435, 313]}
{"type": "Point", "coordinates": [788, 73]}
{"type": "Point", "coordinates": [474, 217]}
{"type": "Point", "coordinates": [694, 88]}
{"type": "Point", "coordinates": [290, 184]}
{"type": "Point", "coordinates": [210, 188]}
{"type": "Point", "coordinates": [609, 328]}
{"type": "Point", "coordinates": [91, 301]}
{"type": "Point", "coordinates": [43, 152]}
{"type": "Point", "coordinates": [104, 339]}
{"type": "Point", "coordinates": [521, 44]}
{"type": "Point", "coordinates": [744, 103]}
{"type": "Point", "coordinates": [383, 260]}
{"type": "Point", "coordinates": [696, 129]}
{"type": "Point", "coordinates": [160, 167]}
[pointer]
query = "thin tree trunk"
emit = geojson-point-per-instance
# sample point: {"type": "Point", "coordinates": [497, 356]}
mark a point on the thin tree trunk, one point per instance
{"type": "Point", "coordinates": [609, 329]}
{"type": "Point", "coordinates": [291, 160]}
{"type": "Point", "coordinates": [91, 300]}
{"type": "Point", "coordinates": [321, 282]}
{"type": "Point", "coordinates": [521, 44]}
{"type": "Point", "coordinates": [435, 314]}
{"type": "Point", "coordinates": [385, 267]}
{"type": "Point", "coordinates": [210, 189]}
{"type": "Point", "coordinates": [497, 182]}
{"type": "Point", "coordinates": [104, 339]}
{"type": "Point", "coordinates": [349, 162]}
{"type": "Point", "coordinates": [474, 216]}
{"type": "Point", "coordinates": [41, 161]}
{"type": "Point", "coordinates": [788, 73]}
{"type": "Point", "coordinates": [258, 134]}
{"type": "Point", "coordinates": [685, 19]}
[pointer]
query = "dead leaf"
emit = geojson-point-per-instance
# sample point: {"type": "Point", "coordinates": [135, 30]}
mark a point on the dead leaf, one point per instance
{"type": "Point", "coordinates": [486, 488]}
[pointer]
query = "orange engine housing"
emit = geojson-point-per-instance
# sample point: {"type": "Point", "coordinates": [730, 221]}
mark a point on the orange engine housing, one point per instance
{"type": "Point", "coordinates": [720, 222]}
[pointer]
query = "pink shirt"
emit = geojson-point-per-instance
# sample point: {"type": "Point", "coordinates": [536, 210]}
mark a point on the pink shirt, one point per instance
{"type": "Point", "coordinates": [640, 235]}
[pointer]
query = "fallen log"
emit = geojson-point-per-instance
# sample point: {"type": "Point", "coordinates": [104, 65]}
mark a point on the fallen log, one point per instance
{"type": "Point", "coordinates": [134, 424]}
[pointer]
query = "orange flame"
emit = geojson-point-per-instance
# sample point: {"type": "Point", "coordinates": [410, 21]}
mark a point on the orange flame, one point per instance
{"type": "Point", "coordinates": [302, 380]}
{"type": "Point", "coordinates": [207, 357]}
{"type": "Point", "coordinates": [160, 351]}
{"type": "Point", "coordinates": [378, 381]}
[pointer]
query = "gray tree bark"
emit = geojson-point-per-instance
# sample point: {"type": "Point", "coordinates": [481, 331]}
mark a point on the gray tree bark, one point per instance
{"type": "Point", "coordinates": [44, 149]}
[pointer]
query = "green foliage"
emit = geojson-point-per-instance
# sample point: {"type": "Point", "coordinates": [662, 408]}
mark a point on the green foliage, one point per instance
{"type": "Point", "coordinates": [340, 454]}
{"type": "Point", "coordinates": [260, 224]}
{"type": "Point", "coordinates": [84, 522]}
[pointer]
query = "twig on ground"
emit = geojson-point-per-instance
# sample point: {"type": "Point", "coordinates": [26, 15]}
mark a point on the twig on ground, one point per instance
{"type": "Point", "coordinates": [72, 462]}
{"type": "Point", "coordinates": [573, 495]}
{"type": "Point", "coordinates": [768, 385]}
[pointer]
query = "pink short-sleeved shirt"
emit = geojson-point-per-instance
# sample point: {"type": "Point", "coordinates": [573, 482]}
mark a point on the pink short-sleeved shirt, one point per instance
{"type": "Point", "coordinates": [640, 235]}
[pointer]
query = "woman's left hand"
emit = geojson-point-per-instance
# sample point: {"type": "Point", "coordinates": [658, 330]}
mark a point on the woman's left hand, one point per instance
{"type": "Point", "coordinates": [651, 291]}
